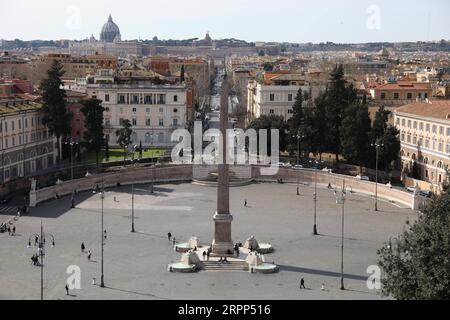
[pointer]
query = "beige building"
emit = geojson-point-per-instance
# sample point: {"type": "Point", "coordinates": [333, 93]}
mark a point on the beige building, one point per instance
{"type": "Point", "coordinates": [398, 93]}
{"type": "Point", "coordinates": [425, 140]}
{"type": "Point", "coordinates": [154, 110]}
{"type": "Point", "coordinates": [25, 144]}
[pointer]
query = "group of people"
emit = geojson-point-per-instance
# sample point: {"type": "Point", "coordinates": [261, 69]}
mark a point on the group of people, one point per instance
{"type": "Point", "coordinates": [11, 231]}
{"type": "Point", "coordinates": [35, 260]}
{"type": "Point", "coordinates": [83, 250]}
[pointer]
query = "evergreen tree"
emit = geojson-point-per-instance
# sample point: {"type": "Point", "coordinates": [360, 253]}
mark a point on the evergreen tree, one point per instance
{"type": "Point", "coordinates": [297, 122]}
{"type": "Point", "coordinates": [271, 122]}
{"type": "Point", "coordinates": [93, 112]}
{"type": "Point", "coordinates": [355, 129]}
{"type": "Point", "coordinates": [417, 266]}
{"type": "Point", "coordinates": [55, 115]}
{"type": "Point", "coordinates": [124, 137]}
{"type": "Point", "coordinates": [182, 79]}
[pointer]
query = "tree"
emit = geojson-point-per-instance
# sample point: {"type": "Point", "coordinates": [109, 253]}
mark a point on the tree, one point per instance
{"type": "Point", "coordinates": [124, 137]}
{"type": "Point", "coordinates": [418, 265]}
{"type": "Point", "coordinates": [297, 121]}
{"type": "Point", "coordinates": [355, 129]}
{"type": "Point", "coordinates": [93, 112]}
{"type": "Point", "coordinates": [55, 115]}
{"type": "Point", "coordinates": [182, 79]}
{"type": "Point", "coordinates": [271, 122]}
{"type": "Point", "coordinates": [336, 98]}
{"type": "Point", "coordinates": [380, 123]}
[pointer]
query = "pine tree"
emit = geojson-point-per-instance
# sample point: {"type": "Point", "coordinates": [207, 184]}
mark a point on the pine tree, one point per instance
{"type": "Point", "coordinates": [93, 112]}
{"type": "Point", "coordinates": [355, 130]}
{"type": "Point", "coordinates": [182, 79]}
{"type": "Point", "coordinates": [297, 121]}
{"type": "Point", "coordinates": [55, 115]}
{"type": "Point", "coordinates": [417, 265]}
{"type": "Point", "coordinates": [124, 137]}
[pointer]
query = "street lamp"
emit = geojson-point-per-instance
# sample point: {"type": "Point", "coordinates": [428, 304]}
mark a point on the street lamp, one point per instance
{"type": "Point", "coordinates": [377, 146]}
{"type": "Point", "coordinates": [71, 143]}
{"type": "Point", "coordinates": [41, 250]}
{"type": "Point", "coordinates": [132, 198]}
{"type": "Point", "coordinates": [340, 199]}
{"type": "Point", "coordinates": [102, 279]}
{"type": "Point", "coordinates": [298, 160]}
{"type": "Point", "coordinates": [316, 162]}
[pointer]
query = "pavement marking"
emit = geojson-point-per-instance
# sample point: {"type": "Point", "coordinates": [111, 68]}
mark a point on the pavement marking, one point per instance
{"type": "Point", "coordinates": [8, 209]}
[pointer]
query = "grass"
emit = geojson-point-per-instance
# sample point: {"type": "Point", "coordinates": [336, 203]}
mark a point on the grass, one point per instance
{"type": "Point", "coordinates": [117, 155]}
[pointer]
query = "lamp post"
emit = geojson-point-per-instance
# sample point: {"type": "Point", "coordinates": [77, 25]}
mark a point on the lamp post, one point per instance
{"type": "Point", "coordinates": [341, 200]}
{"type": "Point", "coordinates": [298, 161]}
{"type": "Point", "coordinates": [377, 146]}
{"type": "Point", "coordinates": [315, 195]}
{"type": "Point", "coordinates": [102, 278]}
{"type": "Point", "coordinates": [41, 250]}
{"type": "Point", "coordinates": [132, 199]}
{"type": "Point", "coordinates": [72, 143]}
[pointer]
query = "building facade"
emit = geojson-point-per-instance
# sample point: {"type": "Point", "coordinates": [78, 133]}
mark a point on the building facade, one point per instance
{"type": "Point", "coordinates": [25, 144]}
{"type": "Point", "coordinates": [154, 110]}
{"type": "Point", "coordinates": [399, 93]}
{"type": "Point", "coordinates": [425, 141]}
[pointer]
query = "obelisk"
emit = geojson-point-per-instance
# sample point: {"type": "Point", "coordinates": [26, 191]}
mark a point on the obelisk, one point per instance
{"type": "Point", "coordinates": [222, 244]}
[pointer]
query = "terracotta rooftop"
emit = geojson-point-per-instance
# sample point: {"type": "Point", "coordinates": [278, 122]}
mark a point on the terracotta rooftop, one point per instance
{"type": "Point", "coordinates": [439, 109]}
{"type": "Point", "coordinates": [404, 85]}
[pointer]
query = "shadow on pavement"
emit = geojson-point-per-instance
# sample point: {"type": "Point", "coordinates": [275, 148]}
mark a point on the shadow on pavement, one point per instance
{"type": "Point", "coordinates": [321, 272]}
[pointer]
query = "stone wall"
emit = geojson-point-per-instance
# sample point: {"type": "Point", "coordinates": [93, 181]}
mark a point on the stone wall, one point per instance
{"type": "Point", "coordinates": [124, 177]}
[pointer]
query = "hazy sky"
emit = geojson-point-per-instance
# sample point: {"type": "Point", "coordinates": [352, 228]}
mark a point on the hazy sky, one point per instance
{"type": "Point", "coordinates": [251, 20]}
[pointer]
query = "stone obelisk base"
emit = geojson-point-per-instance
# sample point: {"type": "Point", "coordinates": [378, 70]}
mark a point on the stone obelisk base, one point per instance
{"type": "Point", "coordinates": [222, 243]}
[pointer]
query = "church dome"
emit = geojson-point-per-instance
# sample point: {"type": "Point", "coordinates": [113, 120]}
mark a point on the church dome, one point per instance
{"type": "Point", "coordinates": [109, 31]}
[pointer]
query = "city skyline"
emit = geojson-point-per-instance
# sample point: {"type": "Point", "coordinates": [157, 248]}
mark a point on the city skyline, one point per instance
{"type": "Point", "coordinates": [363, 21]}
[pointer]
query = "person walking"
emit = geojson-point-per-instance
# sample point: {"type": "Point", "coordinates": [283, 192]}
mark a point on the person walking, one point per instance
{"type": "Point", "coordinates": [14, 230]}
{"type": "Point", "coordinates": [204, 255]}
{"type": "Point", "coordinates": [245, 203]}
{"type": "Point", "coordinates": [36, 240]}
{"type": "Point", "coordinates": [89, 255]}
{"type": "Point", "coordinates": [302, 283]}
{"type": "Point", "coordinates": [169, 236]}
{"type": "Point", "coordinates": [9, 229]}
{"type": "Point", "coordinates": [18, 211]}
{"type": "Point", "coordinates": [82, 247]}
{"type": "Point", "coordinates": [104, 234]}
{"type": "Point", "coordinates": [67, 289]}
{"type": "Point", "coordinates": [208, 255]}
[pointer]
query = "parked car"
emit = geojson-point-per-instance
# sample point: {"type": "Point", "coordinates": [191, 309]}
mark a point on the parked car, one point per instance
{"type": "Point", "coordinates": [298, 167]}
{"type": "Point", "coordinates": [364, 178]}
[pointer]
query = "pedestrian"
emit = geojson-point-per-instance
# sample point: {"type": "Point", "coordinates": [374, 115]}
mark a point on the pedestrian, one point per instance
{"type": "Point", "coordinates": [329, 186]}
{"type": "Point", "coordinates": [302, 283]}
{"type": "Point", "coordinates": [9, 230]}
{"type": "Point", "coordinates": [82, 247]}
{"type": "Point", "coordinates": [36, 240]}
{"type": "Point", "coordinates": [207, 255]}
{"type": "Point", "coordinates": [89, 255]}
{"type": "Point", "coordinates": [169, 235]}
{"type": "Point", "coordinates": [67, 289]}
{"type": "Point", "coordinates": [323, 287]}
{"type": "Point", "coordinates": [204, 255]}
{"type": "Point", "coordinates": [18, 211]}
{"type": "Point", "coordinates": [104, 233]}
{"type": "Point", "coordinates": [14, 230]}
{"type": "Point", "coordinates": [245, 203]}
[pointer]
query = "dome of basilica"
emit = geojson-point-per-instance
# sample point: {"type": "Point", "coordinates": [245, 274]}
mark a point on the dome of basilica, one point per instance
{"type": "Point", "coordinates": [110, 31]}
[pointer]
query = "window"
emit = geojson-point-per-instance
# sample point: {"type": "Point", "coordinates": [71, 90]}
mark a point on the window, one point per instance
{"type": "Point", "coordinates": [396, 95]}
{"type": "Point", "coordinates": [398, 121]}
{"type": "Point", "coordinates": [121, 99]}
{"type": "Point", "coordinates": [147, 110]}
{"type": "Point", "coordinates": [161, 110]}
{"type": "Point", "coordinates": [427, 127]}
{"type": "Point", "coordinates": [403, 122]}
{"type": "Point", "coordinates": [135, 99]}
{"type": "Point", "coordinates": [161, 99]}
{"type": "Point", "coordinates": [107, 97]}
{"type": "Point", "coordinates": [20, 124]}
{"type": "Point", "coordinates": [448, 131]}
{"type": "Point", "coordinates": [161, 122]}
{"type": "Point", "coordinates": [107, 109]}
{"type": "Point", "coordinates": [383, 95]}
{"type": "Point", "coordinates": [441, 130]}
{"type": "Point", "coordinates": [175, 110]}
{"type": "Point", "coordinates": [134, 121]}
{"type": "Point", "coordinates": [175, 98]}
{"type": "Point", "coordinates": [290, 97]}
{"type": "Point", "coordinates": [148, 122]}
{"type": "Point", "coordinates": [415, 124]}
{"type": "Point", "coordinates": [421, 126]}
{"type": "Point", "coordinates": [409, 96]}
{"type": "Point", "coordinates": [121, 110]}
{"type": "Point", "coordinates": [434, 128]}
{"type": "Point", "coordinates": [409, 123]}
{"type": "Point", "coordinates": [402, 137]}
{"type": "Point", "coordinates": [148, 100]}
{"type": "Point", "coordinates": [134, 110]}
{"type": "Point", "coordinates": [12, 125]}
{"type": "Point", "coordinates": [272, 97]}
{"type": "Point", "coordinates": [175, 122]}
{"type": "Point", "coordinates": [271, 111]}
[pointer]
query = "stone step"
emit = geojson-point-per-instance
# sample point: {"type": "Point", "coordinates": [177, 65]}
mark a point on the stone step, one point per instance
{"type": "Point", "coordinates": [231, 266]}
